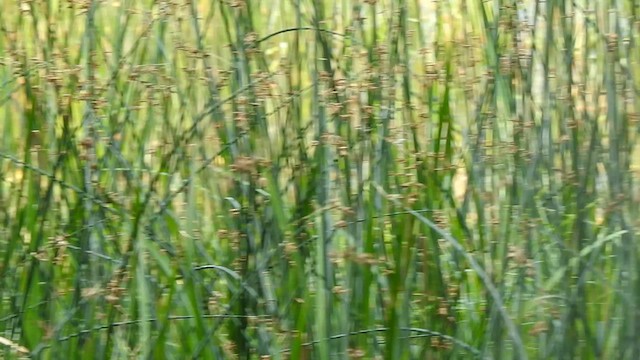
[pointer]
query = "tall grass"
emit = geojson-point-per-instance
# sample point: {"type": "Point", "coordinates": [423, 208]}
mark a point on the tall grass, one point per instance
{"type": "Point", "coordinates": [318, 179]}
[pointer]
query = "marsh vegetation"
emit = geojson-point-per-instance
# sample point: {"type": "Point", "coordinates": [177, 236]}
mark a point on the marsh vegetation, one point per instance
{"type": "Point", "coordinates": [319, 179]}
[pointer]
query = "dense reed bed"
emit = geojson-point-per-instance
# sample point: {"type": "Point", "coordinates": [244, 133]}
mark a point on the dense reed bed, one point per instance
{"type": "Point", "coordinates": [319, 179]}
